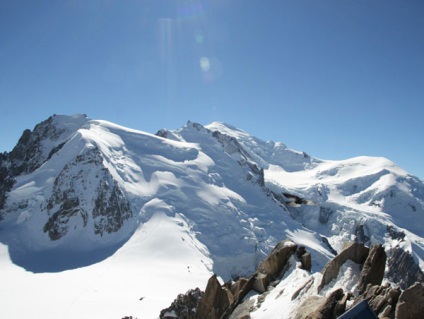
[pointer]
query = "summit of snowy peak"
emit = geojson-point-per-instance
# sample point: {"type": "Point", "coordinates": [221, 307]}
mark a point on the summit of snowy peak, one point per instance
{"type": "Point", "coordinates": [71, 121]}
{"type": "Point", "coordinates": [237, 142]}
{"type": "Point", "coordinates": [227, 129]}
{"type": "Point", "coordinates": [47, 138]}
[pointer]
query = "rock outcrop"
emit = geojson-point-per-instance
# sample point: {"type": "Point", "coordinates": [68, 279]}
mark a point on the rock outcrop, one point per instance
{"type": "Point", "coordinates": [271, 268]}
{"type": "Point", "coordinates": [373, 269]}
{"type": "Point", "coordinates": [215, 301]}
{"type": "Point", "coordinates": [305, 258]}
{"type": "Point", "coordinates": [109, 209]}
{"type": "Point", "coordinates": [220, 301]}
{"type": "Point", "coordinates": [411, 303]}
{"type": "Point", "coordinates": [227, 301]}
{"type": "Point", "coordinates": [184, 306]}
{"type": "Point", "coordinates": [403, 268]}
{"type": "Point", "coordinates": [28, 155]}
{"type": "Point", "coordinates": [382, 299]}
{"type": "Point", "coordinates": [358, 253]}
{"type": "Point", "coordinates": [327, 308]}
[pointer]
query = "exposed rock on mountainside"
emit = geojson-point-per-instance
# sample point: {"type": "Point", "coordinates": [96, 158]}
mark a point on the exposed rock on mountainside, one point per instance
{"type": "Point", "coordinates": [28, 155]}
{"type": "Point", "coordinates": [403, 268]}
{"type": "Point", "coordinates": [34, 148]}
{"type": "Point", "coordinates": [109, 209]}
{"type": "Point", "coordinates": [373, 269]}
{"type": "Point", "coordinates": [220, 301]}
{"type": "Point", "coordinates": [83, 193]}
{"type": "Point", "coordinates": [185, 306]}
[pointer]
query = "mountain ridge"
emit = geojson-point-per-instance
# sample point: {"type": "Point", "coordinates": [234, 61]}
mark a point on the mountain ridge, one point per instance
{"type": "Point", "coordinates": [85, 187]}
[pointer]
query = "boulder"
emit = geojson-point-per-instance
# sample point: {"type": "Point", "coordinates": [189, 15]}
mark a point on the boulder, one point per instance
{"type": "Point", "coordinates": [411, 303]}
{"type": "Point", "coordinates": [373, 269]}
{"type": "Point", "coordinates": [358, 253]}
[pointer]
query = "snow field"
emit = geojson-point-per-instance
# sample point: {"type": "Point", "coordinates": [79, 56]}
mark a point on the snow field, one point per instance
{"type": "Point", "coordinates": [161, 260]}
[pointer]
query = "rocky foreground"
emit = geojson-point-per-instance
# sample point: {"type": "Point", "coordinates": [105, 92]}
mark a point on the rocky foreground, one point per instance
{"type": "Point", "coordinates": [403, 299]}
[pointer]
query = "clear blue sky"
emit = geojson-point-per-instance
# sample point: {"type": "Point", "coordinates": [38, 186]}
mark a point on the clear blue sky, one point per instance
{"type": "Point", "coordinates": [335, 79]}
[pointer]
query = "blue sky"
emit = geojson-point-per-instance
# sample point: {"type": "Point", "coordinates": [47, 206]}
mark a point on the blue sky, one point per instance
{"type": "Point", "coordinates": [335, 79]}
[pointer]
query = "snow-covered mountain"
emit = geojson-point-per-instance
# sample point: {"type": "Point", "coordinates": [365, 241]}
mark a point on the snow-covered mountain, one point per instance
{"type": "Point", "coordinates": [101, 220]}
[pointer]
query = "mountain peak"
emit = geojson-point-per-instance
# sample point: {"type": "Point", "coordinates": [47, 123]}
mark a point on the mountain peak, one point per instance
{"type": "Point", "coordinates": [76, 191]}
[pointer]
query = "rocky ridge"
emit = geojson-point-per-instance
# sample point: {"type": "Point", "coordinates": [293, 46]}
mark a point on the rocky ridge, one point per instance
{"type": "Point", "coordinates": [229, 300]}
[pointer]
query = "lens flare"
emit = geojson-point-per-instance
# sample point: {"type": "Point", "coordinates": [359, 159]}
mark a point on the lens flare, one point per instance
{"type": "Point", "coordinates": [205, 64]}
{"type": "Point", "coordinates": [198, 37]}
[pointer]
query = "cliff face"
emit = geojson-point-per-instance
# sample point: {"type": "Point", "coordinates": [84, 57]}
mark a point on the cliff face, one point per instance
{"type": "Point", "coordinates": [68, 205]}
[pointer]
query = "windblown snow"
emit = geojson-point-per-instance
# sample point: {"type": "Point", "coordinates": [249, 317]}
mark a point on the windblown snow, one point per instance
{"type": "Point", "coordinates": [117, 222]}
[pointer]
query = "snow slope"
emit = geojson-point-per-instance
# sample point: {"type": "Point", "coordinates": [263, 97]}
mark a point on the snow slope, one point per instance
{"type": "Point", "coordinates": [161, 259]}
{"type": "Point", "coordinates": [105, 214]}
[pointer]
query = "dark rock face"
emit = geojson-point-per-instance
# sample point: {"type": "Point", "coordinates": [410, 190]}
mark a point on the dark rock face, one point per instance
{"type": "Point", "coordinates": [362, 234]}
{"type": "Point", "coordinates": [184, 307]}
{"type": "Point", "coordinates": [6, 180]}
{"type": "Point", "coordinates": [358, 253]}
{"type": "Point", "coordinates": [111, 207]}
{"type": "Point", "coordinates": [411, 303]}
{"type": "Point", "coordinates": [28, 155]}
{"type": "Point", "coordinates": [327, 243]}
{"type": "Point", "coordinates": [162, 133]}
{"type": "Point", "coordinates": [395, 234]}
{"type": "Point", "coordinates": [294, 200]}
{"type": "Point", "coordinates": [109, 210]}
{"type": "Point", "coordinates": [373, 269]}
{"type": "Point", "coordinates": [403, 269]}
